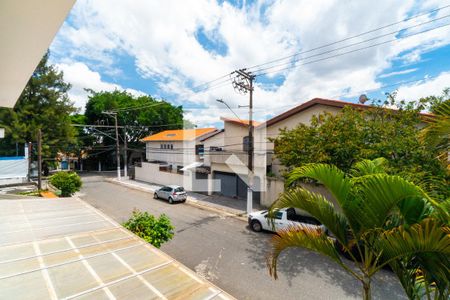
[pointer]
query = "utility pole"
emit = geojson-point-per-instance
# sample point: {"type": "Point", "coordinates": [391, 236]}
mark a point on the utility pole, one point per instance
{"type": "Point", "coordinates": [114, 114]}
{"type": "Point", "coordinates": [39, 145]}
{"type": "Point", "coordinates": [125, 157]}
{"type": "Point", "coordinates": [243, 83]}
{"type": "Point", "coordinates": [30, 159]}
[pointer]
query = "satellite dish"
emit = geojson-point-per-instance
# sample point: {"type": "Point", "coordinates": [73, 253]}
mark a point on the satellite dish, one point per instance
{"type": "Point", "coordinates": [363, 99]}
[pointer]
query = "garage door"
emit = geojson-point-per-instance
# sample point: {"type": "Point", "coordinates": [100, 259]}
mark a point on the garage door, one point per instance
{"type": "Point", "coordinates": [228, 183]}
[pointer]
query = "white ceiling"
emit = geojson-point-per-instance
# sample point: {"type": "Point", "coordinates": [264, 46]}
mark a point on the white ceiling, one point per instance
{"type": "Point", "coordinates": [27, 28]}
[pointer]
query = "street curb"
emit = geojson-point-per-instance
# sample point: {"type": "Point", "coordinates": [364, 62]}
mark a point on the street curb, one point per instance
{"type": "Point", "coordinates": [191, 202]}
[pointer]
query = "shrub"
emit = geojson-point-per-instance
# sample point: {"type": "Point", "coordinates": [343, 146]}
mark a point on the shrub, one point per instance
{"type": "Point", "coordinates": [154, 230]}
{"type": "Point", "coordinates": [67, 182]}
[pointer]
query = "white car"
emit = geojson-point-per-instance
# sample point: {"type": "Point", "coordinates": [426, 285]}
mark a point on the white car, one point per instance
{"type": "Point", "coordinates": [284, 218]}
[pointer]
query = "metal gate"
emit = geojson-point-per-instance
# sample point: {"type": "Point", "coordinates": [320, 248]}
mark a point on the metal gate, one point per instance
{"type": "Point", "coordinates": [228, 183]}
{"type": "Point", "coordinates": [231, 185]}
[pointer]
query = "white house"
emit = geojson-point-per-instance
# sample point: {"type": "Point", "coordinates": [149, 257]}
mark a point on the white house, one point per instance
{"type": "Point", "coordinates": [176, 157]}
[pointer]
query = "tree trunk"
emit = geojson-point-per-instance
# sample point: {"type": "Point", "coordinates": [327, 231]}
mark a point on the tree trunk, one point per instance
{"type": "Point", "coordinates": [367, 291]}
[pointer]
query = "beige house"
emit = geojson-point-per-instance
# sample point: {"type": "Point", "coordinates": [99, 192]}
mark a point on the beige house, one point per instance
{"type": "Point", "coordinates": [226, 155]}
{"type": "Point", "coordinates": [176, 157]}
{"type": "Point", "coordinates": [228, 162]}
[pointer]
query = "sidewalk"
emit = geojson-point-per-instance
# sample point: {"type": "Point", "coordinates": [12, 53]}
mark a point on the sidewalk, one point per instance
{"type": "Point", "coordinates": [213, 203]}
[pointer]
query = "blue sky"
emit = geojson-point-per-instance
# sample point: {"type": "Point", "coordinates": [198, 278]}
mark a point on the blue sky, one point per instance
{"type": "Point", "coordinates": [148, 47]}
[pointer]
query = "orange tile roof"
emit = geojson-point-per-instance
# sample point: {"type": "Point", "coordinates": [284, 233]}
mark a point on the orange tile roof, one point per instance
{"type": "Point", "coordinates": [240, 121]}
{"type": "Point", "coordinates": [179, 134]}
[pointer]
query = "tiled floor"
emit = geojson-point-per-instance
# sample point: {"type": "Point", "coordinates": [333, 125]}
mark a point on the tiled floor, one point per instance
{"type": "Point", "coordinates": [66, 249]}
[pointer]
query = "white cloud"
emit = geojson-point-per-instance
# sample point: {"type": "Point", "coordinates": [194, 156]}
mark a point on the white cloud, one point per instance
{"type": "Point", "coordinates": [81, 77]}
{"type": "Point", "coordinates": [430, 87]}
{"type": "Point", "coordinates": [402, 72]}
{"type": "Point", "coordinates": [161, 38]}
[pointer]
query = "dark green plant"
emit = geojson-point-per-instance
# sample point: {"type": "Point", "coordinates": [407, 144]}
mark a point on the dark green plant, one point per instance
{"type": "Point", "coordinates": [353, 135]}
{"type": "Point", "coordinates": [377, 220]}
{"type": "Point", "coordinates": [67, 182]}
{"type": "Point", "coordinates": [154, 230]}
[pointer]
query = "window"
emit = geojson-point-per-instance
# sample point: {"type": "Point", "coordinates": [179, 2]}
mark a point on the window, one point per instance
{"type": "Point", "coordinates": [246, 143]}
{"type": "Point", "coordinates": [161, 146]}
{"type": "Point", "coordinates": [179, 189]}
{"type": "Point", "coordinates": [171, 146]}
{"type": "Point", "coordinates": [199, 149]}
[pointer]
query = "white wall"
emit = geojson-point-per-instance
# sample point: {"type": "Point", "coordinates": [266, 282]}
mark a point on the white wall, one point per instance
{"type": "Point", "coordinates": [13, 170]}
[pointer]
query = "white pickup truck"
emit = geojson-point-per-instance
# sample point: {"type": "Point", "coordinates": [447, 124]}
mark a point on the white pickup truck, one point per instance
{"type": "Point", "coordinates": [284, 218]}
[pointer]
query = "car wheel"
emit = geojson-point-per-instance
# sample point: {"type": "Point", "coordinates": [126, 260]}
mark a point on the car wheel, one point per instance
{"type": "Point", "coordinates": [256, 226]}
{"type": "Point", "coordinates": [155, 195]}
{"type": "Point", "coordinates": [170, 200]}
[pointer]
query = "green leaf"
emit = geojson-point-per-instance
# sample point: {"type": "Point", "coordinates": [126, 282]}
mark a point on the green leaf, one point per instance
{"type": "Point", "coordinates": [303, 237]}
{"type": "Point", "coordinates": [379, 194]}
{"type": "Point", "coordinates": [317, 206]}
{"type": "Point", "coordinates": [328, 175]}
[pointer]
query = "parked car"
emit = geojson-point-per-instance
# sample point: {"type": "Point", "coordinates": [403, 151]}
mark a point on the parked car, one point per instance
{"type": "Point", "coordinates": [173, 193]}
{"type": "Point", "coordinates": [284, 218]}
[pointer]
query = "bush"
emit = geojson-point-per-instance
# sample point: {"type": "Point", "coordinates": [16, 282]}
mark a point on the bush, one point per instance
{"type": "Point", "coordinates": [154, 230]}
{"type": "Point", "coordinates": [67, 182]}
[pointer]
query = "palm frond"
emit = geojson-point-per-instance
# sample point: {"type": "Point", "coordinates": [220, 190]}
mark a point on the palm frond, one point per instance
{"type": "Point", "coordinates": [319, 207]}
{"type": "Point", "coordinates": [303, 237]}
{"type": "Point", "coordinates": [328, 175]}
{"type": "Point", "coordinates": [437, 132]}
{"type": "Point", "coordinates": [424, 237]}
{"type": "Point", "coordinates": [379, 194]}
{"type": "Point", "coordinates": [425, 247]}
{"type": "Point", "coordinates": [368, 167]}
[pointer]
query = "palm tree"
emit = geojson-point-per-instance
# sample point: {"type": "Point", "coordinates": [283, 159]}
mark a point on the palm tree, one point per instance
{"type": "Point", "coordinates": [378, 220]}
{"type": "Point", "coordinates": [437, 132]}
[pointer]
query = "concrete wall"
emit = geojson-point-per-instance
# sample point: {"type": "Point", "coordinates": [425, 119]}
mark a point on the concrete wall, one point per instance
{"type": "Point", "coordinates": [293, 121]}
{"type": "Point", "coordinates": [274, 188]}
{"type": "Point", "coordinates": [150, 173]}
{"type": "Point", "coordinates": [182, 153]}
{"type": "Point", "coordinates": [234, 135]}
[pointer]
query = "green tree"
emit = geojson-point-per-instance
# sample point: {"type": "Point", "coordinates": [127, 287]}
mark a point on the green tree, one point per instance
{"type": "Point", "coordinates": [377, 220]}
{"type": "Point", "coordinates": [156, 231]}
{"type": "Point", "coordinates": [353, 135]}
{"type": "Point", "coordinates": [143, 115]}
{"type": "Point", "coordinates": [43, 104]}
{"type": "Point", "coordinates": [436, 135]}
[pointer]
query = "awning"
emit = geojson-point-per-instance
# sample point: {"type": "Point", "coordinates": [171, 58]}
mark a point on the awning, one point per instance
{"type": "Point", "coordinates": [192, 166]}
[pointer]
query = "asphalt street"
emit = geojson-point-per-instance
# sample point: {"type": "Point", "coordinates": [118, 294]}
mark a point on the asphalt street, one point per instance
{"type": "Point", "coordinates": [224, 251]}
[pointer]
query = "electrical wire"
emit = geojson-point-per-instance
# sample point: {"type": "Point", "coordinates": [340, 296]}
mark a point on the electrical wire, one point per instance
{"type": "Point", "coordinates": [351, 37]}
{"type": "Point", "coordinates": [352, 51]}
{"type": "Point", "coordinates": [353, 44]}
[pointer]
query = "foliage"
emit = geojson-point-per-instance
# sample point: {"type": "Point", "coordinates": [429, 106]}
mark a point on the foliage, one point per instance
{"type": "Point", "coordinates": [154, 230]}
{"type": "Point", "coordinates": [43, 104]}
{"type": "Point", "coordinates": [353, 135]}
{"type": "Point", "coordinates": [143, 115]}
{"type": "Point", "coordinates": [436, 134]}
{"type": "Point", "coordinates": [377, 220]}
{"type": "Point", "coordinates": [67, 182]}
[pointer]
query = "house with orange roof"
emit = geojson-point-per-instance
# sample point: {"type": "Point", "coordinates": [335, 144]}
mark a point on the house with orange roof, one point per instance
{"type": "Point", "coordinates": [175, 157]}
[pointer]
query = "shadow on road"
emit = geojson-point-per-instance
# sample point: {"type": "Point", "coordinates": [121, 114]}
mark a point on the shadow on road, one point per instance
{"type": "Point", "coordinates": [296, 261]}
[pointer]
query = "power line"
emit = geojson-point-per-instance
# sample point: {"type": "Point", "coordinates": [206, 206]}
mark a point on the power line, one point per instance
{"type": "Point", "coordinates": [349, 38]}
{"type": "Point", "coordinates": [353, 44]}
{"type": "Point", "coordinates": [352, 51]}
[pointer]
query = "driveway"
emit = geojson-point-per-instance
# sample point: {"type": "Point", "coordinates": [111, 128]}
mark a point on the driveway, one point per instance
{"type": "Point", "coordinates": [223, 250]}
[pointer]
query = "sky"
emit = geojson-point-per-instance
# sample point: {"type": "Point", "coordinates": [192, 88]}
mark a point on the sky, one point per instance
{"type": "Point", "coordinates": [298, 49]}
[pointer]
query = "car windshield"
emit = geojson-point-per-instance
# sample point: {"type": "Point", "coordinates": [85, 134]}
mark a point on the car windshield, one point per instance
{"type": "Point", "coordinates": [179, 189]}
